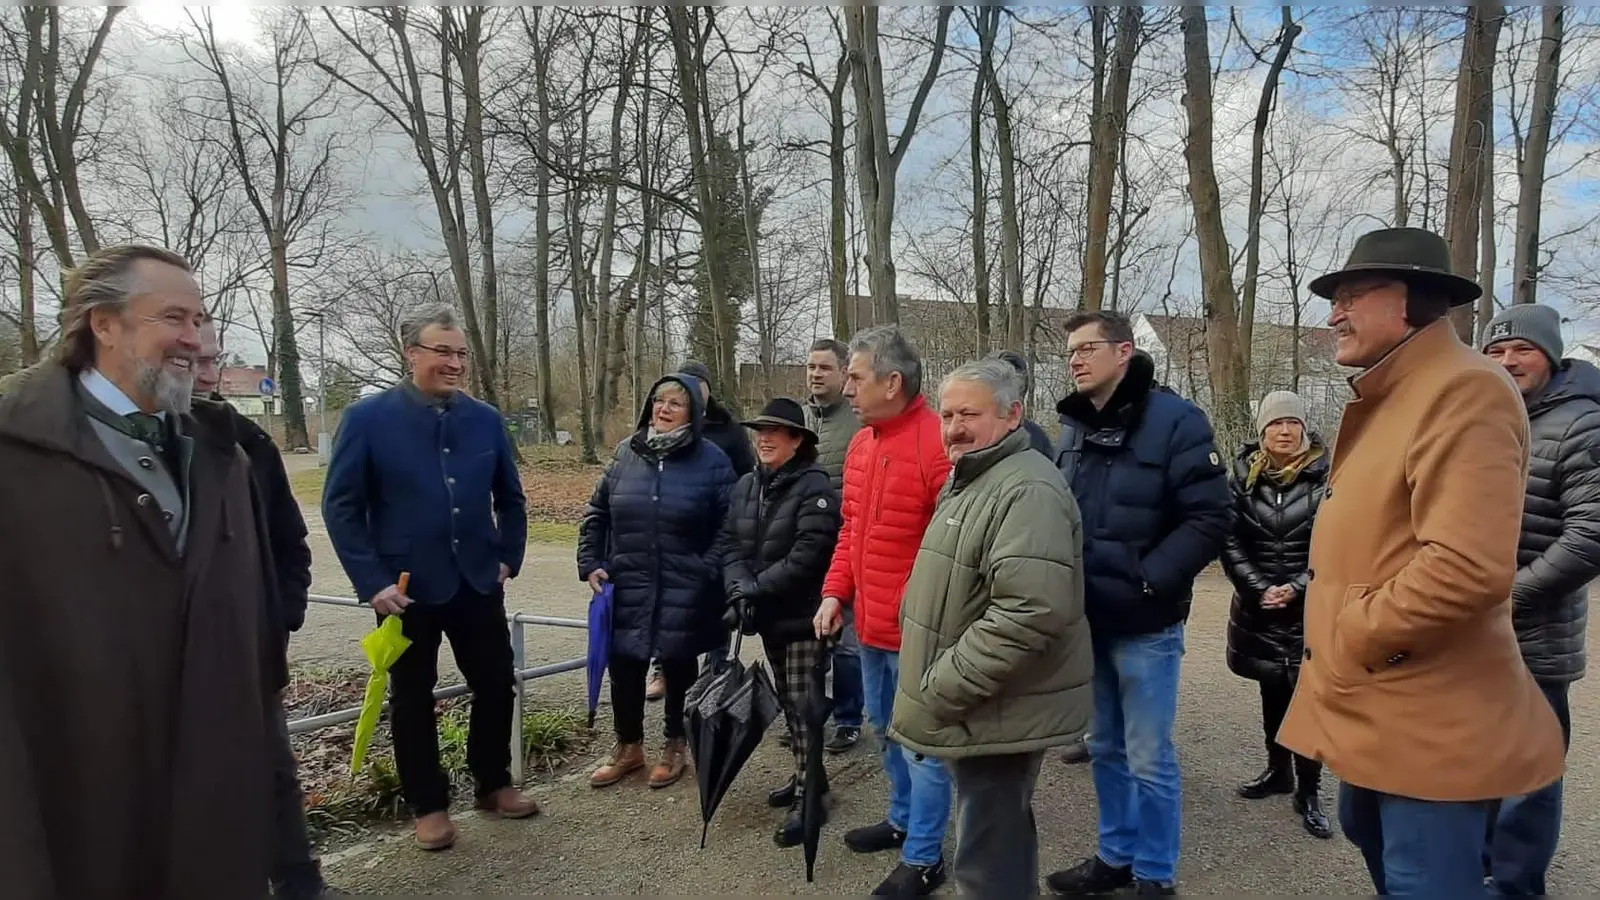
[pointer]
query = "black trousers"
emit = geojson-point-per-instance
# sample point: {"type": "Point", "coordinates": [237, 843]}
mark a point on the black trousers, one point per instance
{"type": "Point", "coordinates": [628, 678]}
{"type": "Point", "coordinates": [1275, 696]}
{"type": "Point", "coordinates": [481, 642]}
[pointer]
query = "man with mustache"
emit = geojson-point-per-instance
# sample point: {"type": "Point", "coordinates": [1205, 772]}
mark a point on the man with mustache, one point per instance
{"type": "Point", "coordinates": [1412, 689]}
{"type": "Point", "coordinates": [138, 651]}
{"type": "Point", "coordinates": [1558, 555]}
{"type": "Point", "coordinates": [295, 872]}
{"type": "Point", "coordinates": [423, 480]}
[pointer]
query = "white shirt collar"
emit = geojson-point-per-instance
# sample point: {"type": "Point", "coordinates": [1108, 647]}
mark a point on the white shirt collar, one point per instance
{"type": "Point", "coordinates": [101, 388]}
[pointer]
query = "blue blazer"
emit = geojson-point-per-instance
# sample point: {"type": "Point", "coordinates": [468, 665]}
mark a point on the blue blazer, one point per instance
{"type": "Point", "coordinates": [433, 492]}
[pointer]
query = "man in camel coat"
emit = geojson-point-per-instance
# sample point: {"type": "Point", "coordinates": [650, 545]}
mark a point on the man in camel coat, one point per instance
{"type": "Point", "coordinates": [1412, 689]}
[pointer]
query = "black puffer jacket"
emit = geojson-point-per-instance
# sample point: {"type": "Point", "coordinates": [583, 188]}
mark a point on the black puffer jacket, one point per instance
{"type": "Point", "coordinates": [730, 437]}
{"type": "Point", "coordinates": [1270, 544]}
{"type": "Point", "coordinates": [1559, 551]}
{"type": "Point", "coordinates": [779, 533]}
{"type": "Point", "coordinates": [651, 525]}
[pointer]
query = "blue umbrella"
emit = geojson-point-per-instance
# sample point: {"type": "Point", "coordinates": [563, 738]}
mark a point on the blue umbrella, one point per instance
{"type": "Point", "coordinates": [599, 644]}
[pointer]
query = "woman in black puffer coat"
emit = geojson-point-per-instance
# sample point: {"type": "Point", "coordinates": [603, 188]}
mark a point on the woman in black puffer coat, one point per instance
{"type": "Point", "coordinates": [776, 543]}
{"type": "Point", "coordinates": [1277, 486]}
{"type": "Point", "coordinates": [646, 532]}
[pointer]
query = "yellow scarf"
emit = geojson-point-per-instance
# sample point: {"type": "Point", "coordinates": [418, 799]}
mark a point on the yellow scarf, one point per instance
{"type": "Point", "coordinates": [1261, 464]}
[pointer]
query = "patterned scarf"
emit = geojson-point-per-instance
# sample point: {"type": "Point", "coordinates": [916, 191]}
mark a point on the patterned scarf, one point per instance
{"type": "Point", "coordinates": [1261, 463]}
{"type": "Point", "coordinates": [662, 443]}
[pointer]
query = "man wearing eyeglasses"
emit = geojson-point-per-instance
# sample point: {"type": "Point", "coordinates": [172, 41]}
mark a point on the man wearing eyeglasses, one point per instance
{"type": "Point", "coordinates": [1144, 467]}
{"type": "Point", "coordinates": [423, 480]}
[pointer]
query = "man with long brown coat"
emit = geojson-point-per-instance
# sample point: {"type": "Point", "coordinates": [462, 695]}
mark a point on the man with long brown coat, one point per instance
{"type": "Point", "coordinates": [136, 649]}
{"type": "Point", "coordinates": [1412, 689]}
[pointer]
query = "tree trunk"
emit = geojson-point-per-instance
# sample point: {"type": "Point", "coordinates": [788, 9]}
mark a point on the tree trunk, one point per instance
{"type": "Point", "coordinates": [1486, 235]}
{"type": "Point", "coordinates": [1469, 146]}
{"type": "Point", "coordinates": [580, 314]}
{"type": "Point", "coordinates": [1107, 134]}
{"type": "Point", "coordinates": [765, 350]}
{"type": "Point", "coordinates": [689, 52]}
{"type": "Point", "coordinates": [1530, 194]}
{"type": "Point", "coordinates": [876, 161]}
{"type": "Point", "coordinates": [1228, 373]}
{"type": "Point", "coordinates": [27, 322]}
{"type": "Point", "coordinates": [541, 235]}
{"type": "Point", "coordinates": [482, 311]}
{"type": "Point", "coordinates": [838, 199]}
{"type": "Point", "coordinates": [1258, 150]}
{"type": "Point", "coordinates": [608, 234]}
{"type": "Point", "coordinates": [1010, 236]}
{"type": "Point", "coordinates": [980, 196]}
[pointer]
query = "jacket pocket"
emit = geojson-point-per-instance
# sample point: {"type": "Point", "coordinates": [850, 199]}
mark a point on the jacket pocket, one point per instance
{"type": "Point", "coordinates": [1343, 666]}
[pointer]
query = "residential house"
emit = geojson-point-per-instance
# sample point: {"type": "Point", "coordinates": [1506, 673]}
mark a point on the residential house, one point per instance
{"type": "Point", "coordinates": [1177, 344]}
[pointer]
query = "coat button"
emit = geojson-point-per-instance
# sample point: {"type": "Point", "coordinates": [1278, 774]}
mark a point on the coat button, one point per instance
{"type": "Point", "coordinates": [1311, 574]}
{"type": "Point", "coordinates": [145, 500]}
{"type": "Point", "coordinates": [456, 511]}
{"type": "Point", "coordinates": [166, 515]}
{"type": "Point", "coordinates": [146, 462]}
{"type": "Point", "coordinates": [447, 451]}
{"type": "Point", "coordinates": [449, 481]}
{"type": "Point", "coordinates": [1307, 653]}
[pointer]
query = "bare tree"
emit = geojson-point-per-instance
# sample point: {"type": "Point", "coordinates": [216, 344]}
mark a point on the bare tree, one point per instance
{"type": "Point", "coordinates": [1225, 351]}
{"type": "Point", "coordinates": [1010, 236]}
{"type": "Point", "coordinates": [838, 198]}
{"type": "Point", "coordinates": [1109, 117]}
{"type": "Point", "coordinates": [1258, 140]}
{"type": "Point", "coordinates": [285, 167]}
{"type": "Point", "coordinates": [1470, 147]}
{"type": "Point", "coordinates": [47, 128]}
{"type": "Point", "coordinates": [1531, 177]}
{"type": "Point", "coordinates": [877, 161]}
{"type": "Point", "coordinates": [394, 85]}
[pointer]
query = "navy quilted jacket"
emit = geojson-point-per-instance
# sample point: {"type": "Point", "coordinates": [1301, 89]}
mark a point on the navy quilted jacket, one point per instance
{"type": "Point", "coordinates": [652, 525]}
{"type": "Point", "coordinates": [1154, 497]}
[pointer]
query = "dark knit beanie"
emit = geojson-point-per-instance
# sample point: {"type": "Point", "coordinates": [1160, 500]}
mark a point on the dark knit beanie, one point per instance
{"type": "Point", "coordinates": [1538, 325]}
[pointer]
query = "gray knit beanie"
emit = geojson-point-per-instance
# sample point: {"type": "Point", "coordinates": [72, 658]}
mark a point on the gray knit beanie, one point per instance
{"type": "Point", "coordinates": [1538, 325]}
{"type": "Point", "coordinates": [1279, 405]}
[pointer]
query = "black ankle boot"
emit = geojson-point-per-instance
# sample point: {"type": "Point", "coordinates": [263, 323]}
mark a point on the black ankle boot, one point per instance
{"type": "Point", "coordinates": [1276, 778]}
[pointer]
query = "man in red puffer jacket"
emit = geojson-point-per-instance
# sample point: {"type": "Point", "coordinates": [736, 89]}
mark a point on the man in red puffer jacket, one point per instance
{"type": "Point", "coordinates": [893, 472]}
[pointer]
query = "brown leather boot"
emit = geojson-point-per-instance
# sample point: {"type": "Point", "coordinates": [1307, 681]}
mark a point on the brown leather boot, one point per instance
{"type": "Point", "coordinates": [625, 760]}
{"type": "Point", "coordinates": [656, 687]}
{"type": "Point", "coordinates": [673, 761]}
{"type": "Point", "coordinates": [435, 831]}
{"type": "Point", "coordinates": [508, 803]}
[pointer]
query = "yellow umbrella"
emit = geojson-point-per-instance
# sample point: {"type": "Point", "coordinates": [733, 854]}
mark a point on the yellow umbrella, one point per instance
{"type": "Point", "coordinates": [383, 645]}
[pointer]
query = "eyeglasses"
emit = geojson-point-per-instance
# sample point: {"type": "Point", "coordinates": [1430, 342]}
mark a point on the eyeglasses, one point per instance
{"type": "Point", "coordinates": [1345, 297]}
{"type": "Point", "coordinates": [1087, 349]}
{"type": "Point", "coordinates": [673, 404]}
{"type": "Point", "coordinates": [445, 352]}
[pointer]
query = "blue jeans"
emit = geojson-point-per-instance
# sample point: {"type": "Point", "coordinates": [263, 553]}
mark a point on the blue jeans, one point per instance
{"type": "Point", "coordinates": [919, 786]}
{"type": "Point", "coordinates": [1416, 846]}
{"type": "Point", "coordinates": [1132, 757]}
{"type": "Point", "coordinates": [1527, 828]}
{"type": "Point", "coordinates": [847, 688]}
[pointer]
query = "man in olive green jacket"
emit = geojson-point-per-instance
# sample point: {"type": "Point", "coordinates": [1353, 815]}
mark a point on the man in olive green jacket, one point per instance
{"type": "Point", "coordinates": [995, 658]}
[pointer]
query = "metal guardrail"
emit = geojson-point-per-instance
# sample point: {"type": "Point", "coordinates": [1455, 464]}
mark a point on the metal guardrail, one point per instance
{"type": "Point", "coordinates": [517, 621]}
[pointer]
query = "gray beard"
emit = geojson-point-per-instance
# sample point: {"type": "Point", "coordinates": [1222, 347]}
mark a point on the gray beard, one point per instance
{"type": "Point", "coordinates": [172, 393]}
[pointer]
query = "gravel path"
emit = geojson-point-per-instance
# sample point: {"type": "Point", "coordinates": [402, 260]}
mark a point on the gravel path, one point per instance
{"type": "Point", "coordinates": [629, 839]}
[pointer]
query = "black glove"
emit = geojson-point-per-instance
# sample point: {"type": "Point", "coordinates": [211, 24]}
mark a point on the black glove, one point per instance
{"type": "Point", "coordinates": [747, 617]}
{"type": "Point", "coordinates": [730, 617]}
{"type": "Point", "coordinates": [747, 589]}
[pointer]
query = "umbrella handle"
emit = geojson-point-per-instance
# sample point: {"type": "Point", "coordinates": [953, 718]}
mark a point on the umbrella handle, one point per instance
{"type": "Point", "coordinates": [738, 641]}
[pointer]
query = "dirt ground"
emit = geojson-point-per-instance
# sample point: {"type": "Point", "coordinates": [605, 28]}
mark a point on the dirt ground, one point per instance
{"type": "Point", "coordinates": [629, 839]}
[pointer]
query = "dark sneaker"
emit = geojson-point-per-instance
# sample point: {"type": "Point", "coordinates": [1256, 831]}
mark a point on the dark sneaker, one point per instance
{"type": "Point", "coordinates": [792, 833]}
{"type": "Point", "coordinates": [844, 737]}
{"type": "Point", "coordinates": [1092, 876]}
{"type": "Point", "coordinates": [782, 795]}
{"type": "Point", "coordinates": [1315, 821]}
{"type": "Point", "coordinates": [912, 881]}
{"type": "Point", "coordinates": [875, 838]}
{"type": "Point", "coordinates": [1076, 752]}
{"type": "Point", "coordinates": [1148, 888]}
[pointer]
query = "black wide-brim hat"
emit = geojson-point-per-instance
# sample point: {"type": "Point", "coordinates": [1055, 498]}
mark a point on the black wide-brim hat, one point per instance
{"type": "Point", "coordinates": [1412, 255]}
{"type": "Point", "coordinates": [782, 413]}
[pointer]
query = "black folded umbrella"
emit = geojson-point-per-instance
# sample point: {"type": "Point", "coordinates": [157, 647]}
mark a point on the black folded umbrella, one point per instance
{"type": "Point", "coordinates": [726, 714]}
{"type": "Point", "coordinates": [818, 706]}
